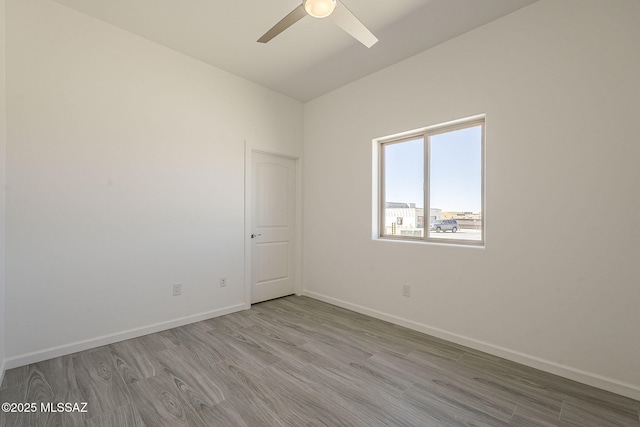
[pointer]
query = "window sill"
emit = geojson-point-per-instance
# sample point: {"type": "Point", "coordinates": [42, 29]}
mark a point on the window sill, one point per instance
{"type": "Point", "coordinates": [432, 242]}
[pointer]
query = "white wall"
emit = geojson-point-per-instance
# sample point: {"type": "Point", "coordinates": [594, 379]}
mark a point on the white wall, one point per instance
{"type": "Point", "coordinates": [126, 175]}
{"type": "Point", "coordinates": [559, 84]}
{"type": "Point", "coordinates": [3, 145]}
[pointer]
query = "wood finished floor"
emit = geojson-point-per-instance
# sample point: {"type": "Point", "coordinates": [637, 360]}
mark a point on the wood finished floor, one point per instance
{"type": "Point", "coordinates": [296, 361]}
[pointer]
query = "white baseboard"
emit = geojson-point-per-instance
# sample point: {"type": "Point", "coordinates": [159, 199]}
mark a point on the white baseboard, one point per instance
{"type": "Point", "coordinates": [62, 350]}
{"type": "Point", "coordinates": [595, 380]}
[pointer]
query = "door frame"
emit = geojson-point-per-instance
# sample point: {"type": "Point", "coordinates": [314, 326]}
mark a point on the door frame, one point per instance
{"type": "Point", "coordinates": [249, 150]}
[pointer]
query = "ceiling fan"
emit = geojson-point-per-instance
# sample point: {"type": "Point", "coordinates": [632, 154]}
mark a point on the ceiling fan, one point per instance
{"type": "Point", "coordinates": [335, 10]}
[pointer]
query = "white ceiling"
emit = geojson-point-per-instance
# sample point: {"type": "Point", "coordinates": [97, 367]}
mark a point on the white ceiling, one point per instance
{"type": "Point", "coordinates": [310, 58]}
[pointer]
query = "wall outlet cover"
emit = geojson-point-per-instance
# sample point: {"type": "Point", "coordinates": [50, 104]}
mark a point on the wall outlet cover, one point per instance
{"type": "Point", "coordinates": [406, 290]}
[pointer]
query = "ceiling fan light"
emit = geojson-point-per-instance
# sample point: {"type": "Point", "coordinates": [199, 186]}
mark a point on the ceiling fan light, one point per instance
{"type": "Point", "coordinates": [319, 8]}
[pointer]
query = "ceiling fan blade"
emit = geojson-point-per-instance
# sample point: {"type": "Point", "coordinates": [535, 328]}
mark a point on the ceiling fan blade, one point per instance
{"type": "Point", "coordinates": [297, 14]}
{"type": "Point", "coordinates": [346, 20]}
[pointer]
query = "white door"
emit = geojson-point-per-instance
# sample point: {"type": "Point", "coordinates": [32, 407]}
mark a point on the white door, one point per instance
{"type": "Point", "coordinates": [273, 227]}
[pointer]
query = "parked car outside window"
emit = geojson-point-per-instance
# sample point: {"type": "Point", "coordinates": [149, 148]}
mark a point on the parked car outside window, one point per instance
{"type": "Point", "coordinates": [444, 225]}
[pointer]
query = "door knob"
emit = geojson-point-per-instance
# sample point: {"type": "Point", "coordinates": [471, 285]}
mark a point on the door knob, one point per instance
{"type": "Point", "coordinates": [253, 236]}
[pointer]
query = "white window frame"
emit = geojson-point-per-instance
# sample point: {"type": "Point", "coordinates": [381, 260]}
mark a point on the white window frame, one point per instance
{"type": "Point", "coordinates": [379, 174]}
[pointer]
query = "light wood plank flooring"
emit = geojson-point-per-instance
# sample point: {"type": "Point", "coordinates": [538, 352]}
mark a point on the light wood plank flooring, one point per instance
{"type": "Point", "coordinates": [296, 361]}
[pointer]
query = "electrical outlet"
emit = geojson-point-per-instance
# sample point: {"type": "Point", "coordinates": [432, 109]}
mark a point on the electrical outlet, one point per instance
{"type": "Point", "coordinates": [177, 289]}
{"type": "Point", "coordinates": [406, 290]}
{"type": "Point", "coordinates": [223, 282]}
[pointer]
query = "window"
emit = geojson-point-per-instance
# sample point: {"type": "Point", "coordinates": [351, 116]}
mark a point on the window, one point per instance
{"type": "Point", "coordinates": [431, 184]}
